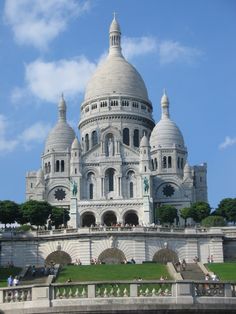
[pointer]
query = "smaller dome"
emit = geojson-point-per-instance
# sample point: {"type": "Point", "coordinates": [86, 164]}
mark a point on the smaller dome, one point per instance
{"type": "Point", "coordinates": [144, 142]}
{"type": "Point", "coordinates": [75, 144]}
{"type": "Point", "coordinates": [62, 135]}
{"type": "Point", "coordinates": [166, 134]}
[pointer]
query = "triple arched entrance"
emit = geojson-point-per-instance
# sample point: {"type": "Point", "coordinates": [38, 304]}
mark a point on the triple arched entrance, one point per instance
{"type": "Point", "coordinates": [112, 256]}
{"type": "Point", "coordinates": [164, 256]}
{"type": "Point", "coordinates": [109, 218]}
{"type": "Point", "coordinates": [58, 257]}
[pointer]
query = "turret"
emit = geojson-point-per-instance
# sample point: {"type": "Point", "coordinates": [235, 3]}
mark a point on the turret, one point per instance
{"type": "Point", "coordinates": [75, 158]}
{"type": "Point", "coordinates": [144, 152]}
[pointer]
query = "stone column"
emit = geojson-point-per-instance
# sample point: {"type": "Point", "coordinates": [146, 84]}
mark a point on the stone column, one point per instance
{"type": "Point", "coordinates": [74, 213]}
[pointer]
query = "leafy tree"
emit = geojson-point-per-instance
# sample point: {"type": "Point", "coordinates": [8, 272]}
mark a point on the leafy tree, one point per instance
{"type": "Point", "coordinates": [213, 221]}
{"type": "Point", "coordinates": [9, 212]}
{"type": "Point", "coordinates": [227, 209]}
{"type": "Point", "coordinates": [36, 212]}
{"type": "Point", "coordinates": [167, 214]}
{"type": "Point", "coordinates": [59, 216]}
{"type": "Point", "coordinates": [185, 213]}
{"type": "Point", "coordinates": [199, 211]}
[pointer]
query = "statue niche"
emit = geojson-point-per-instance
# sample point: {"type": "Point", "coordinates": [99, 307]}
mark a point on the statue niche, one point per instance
{"type": "Point", "coordinates": [109, 145]}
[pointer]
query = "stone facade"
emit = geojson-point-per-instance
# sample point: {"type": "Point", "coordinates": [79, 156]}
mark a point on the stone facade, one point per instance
{"type": "Point", "coordinates": [124, 165]}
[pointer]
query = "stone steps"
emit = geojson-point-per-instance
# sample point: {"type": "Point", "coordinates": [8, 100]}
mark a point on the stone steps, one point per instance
{"type": "Point", "coordinates": [192, 272]}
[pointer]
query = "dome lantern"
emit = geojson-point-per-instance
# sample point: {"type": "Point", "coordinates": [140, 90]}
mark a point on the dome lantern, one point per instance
{"type": "Point", "coordinates": [115, 37]}
{"type": "Point", "coordinates": [165, 106]}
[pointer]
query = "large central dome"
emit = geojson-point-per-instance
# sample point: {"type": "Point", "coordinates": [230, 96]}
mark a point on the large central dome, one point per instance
{"type": "Point", "coordinates": [116, 75]}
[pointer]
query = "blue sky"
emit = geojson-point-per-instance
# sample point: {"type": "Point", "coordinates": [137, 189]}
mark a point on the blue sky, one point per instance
{"type": "Point", "coordinates": [50, 47]}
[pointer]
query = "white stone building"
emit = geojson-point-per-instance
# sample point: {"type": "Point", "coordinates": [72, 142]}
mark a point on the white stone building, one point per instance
{"type": "Point", "coordinates": [124, 165]}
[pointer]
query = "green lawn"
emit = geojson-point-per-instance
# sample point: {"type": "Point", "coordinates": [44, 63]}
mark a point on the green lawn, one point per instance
{"type": "Point", "coordinates": [112, 272]}
{"type": "Point", "coordinates": [5, 272]}
{"type": "Point", "coordinates": [225, 271]}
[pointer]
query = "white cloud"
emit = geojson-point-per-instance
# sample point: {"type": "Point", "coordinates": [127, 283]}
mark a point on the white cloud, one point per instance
{"type": "Point", "coordinates": [6, 145]}
{"type": "Point", "coordinates": [47, 80]}
{"type": "Point", "coordinates": [227, 142]}
{"type": "Point", "coordinates": [173, 51]}
{"type": "Point", "coordinates": [138, 46]}
{"type": "Point", "coordinates": [38, 22]}
{"type": "Point", "coordinates": [36, 133]}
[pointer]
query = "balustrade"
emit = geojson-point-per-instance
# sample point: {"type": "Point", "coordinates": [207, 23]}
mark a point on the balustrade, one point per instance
{"type": "Point", "coordinates": [18, 294]}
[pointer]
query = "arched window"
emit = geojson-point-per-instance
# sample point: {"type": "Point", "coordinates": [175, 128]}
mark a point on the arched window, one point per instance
{"type": "Point", "coordinates": [182, 163]}
{"type": "Point", "coordinates": [110, 173]}
{"type": "Point", "coordinates": [86, 142]}
{"type": "Point", "coordinates": [156, 164]}
{"type": "Point", "coordinates": [136, 138]}
{"type": "Point", "coordinates": [75, 170]}
{"type": "Point", "coordinates": [62, 166]}
{"type": "Point", "coordinates": [126, 136]}
{"type": "Point", "coordinates": [46, 168]}
{"type": "Point", "coordinates": [94, 138]}
{"type": "Point", "coordinates": [131, 190]}
{"type": "Point", "coordinates": [169, 162]}
{"type": "Point", "coordinates": [57, 165]}
{"type": "Point", "coordinates": [178, 162]}
{"type": "Point", "coordinates": [164, 162]}
{"type": "Point", "coordinates": [91, 191]}
{"type": "Point", "coordinates": [49, 167]}
{"type": "Point", "coordinates": [153, 168]}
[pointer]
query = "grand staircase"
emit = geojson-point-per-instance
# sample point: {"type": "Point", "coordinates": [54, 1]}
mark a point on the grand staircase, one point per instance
{"type": "Point", "coordinates": [37, 278]}
{"type": "Point", "coordinates": [192, 272]}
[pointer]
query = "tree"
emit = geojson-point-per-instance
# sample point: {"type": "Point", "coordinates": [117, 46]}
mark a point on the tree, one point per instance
{"type": "Point", "coordinates": [36, 212]}
{"type": "Point", "coordinates": [213, 221]}
{"type": "Point", "coordinates": [9, 212]}
{"type": "Point", "coordinates": [185, 213]}
{"type": "Point", "coordinates": [166, 214]}
{"type": "Point", "coordinates": [199, 211]}
{"type": "Point", "coordinates": [59, 216]}
{"type": "Point", "coordinates": [227, 209]}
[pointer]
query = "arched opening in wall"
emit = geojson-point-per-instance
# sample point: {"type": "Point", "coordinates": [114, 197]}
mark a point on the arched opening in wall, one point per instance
{"type": "Point", "coordinates": [164, 162]}
{"type": "Point", "coordinates": [91, 191]}
{"type": "Point", "coordinates": [126, 136]}
{"type": "Point", "coordinates": [131, 190]}
{"type": "Point", "coordinates": [112, 256]}
{"type": "Point", "coordinates": [178, 163]}
{"type": "Point", "coordinates": [164, 256]}
{"type": "Point", "coordinates": [94, 138]}
{"type": "Point", "coordinates": [86, 142]}
{"type": "Point", "coordinates": [57, 165]}
{"type": "Point", "coordinates": [110, 179]}
{"type": "Point", "coordinates": [62, 166]}
{"type": "Point", "coordinates": [58, 257]}
{"type": "Point", "coordinates": [131, 218]}
{"type": "Point", "coordinates": [136, 138]}
{"type": "Point", "coordinates": [169, 162]}
{"type": "Point", "coordinates": [109, 219]}
{"type": "Point", "coordinates": [156, 164]}
{"type": "Point", "coordinates": [88, 220]}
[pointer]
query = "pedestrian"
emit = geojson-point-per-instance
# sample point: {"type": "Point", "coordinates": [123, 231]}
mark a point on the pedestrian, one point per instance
{"type": "Point", "coordinates": [10, 281]}
{"type": "Point", "coordinates": [15, 281]}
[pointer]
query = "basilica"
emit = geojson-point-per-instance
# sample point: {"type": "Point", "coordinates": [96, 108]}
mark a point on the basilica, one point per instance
{"type": "Point", "coordinates": [124, 165]}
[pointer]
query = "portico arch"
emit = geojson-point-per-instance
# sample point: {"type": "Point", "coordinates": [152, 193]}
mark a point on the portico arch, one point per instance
{"type": "Point", "coordinates": [112, 256]}
{"type": "Point", "coordinates": [88, 219]}
{"type": "Point", "coordinates": [109, 218]}
{"type": "Point", "coordinates": [131, 218]}
{"type": "Point", "coordinates": [58, 257]}
{"type": "Point", "coordinates": [164, 256]}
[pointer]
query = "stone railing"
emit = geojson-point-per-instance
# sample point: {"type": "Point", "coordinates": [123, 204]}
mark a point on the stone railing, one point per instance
{"type": "Point", "coordinates": [132, 294]}
{"type": "Point", "coordinates": [100, 229]}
